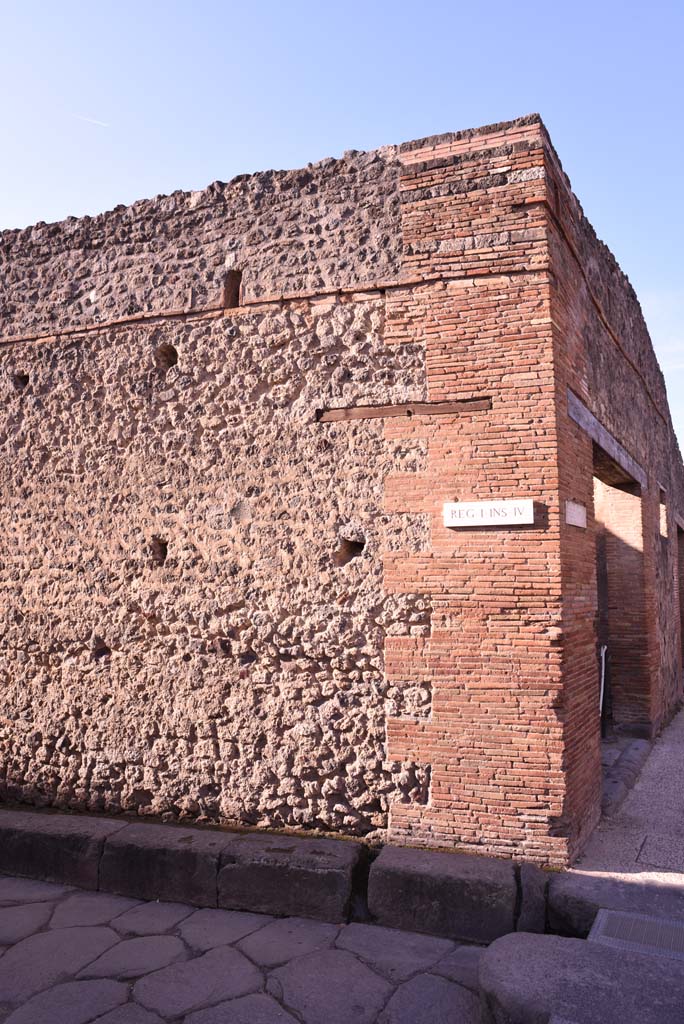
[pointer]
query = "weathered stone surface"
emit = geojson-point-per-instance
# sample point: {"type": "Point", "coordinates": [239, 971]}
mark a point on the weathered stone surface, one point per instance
{"type": "Point", "coordinates": [330, 987]}
{"type": "Point", "coordinates": [156, 253]}
{"type": "Point", "coordinates": [462, 966]}
{"type": "Point", "coordinates": [134, 957]}
{"type": "Point", "coordinates": [151, 918]}
{"type": "Point", "coordinates": [90, 909]}
{"type": "Point", "coordinates": [574, 900]}
{"type": "Point", "coordinates": [17, 923]}
{"type": "Point", "coordinates": [158, 862]}
{"type": "Point", "coordinates": [206, 929]}
{"type": "Point", "coordinates": [431, 1000]}
{"type": "Point", "coordinates": [54, 847]}
{"type": "Point", "coordinates": [255, 1009]}
{"type": "Point", "coordinates": [131, 1013]}
{"type": "Point", "coordinates": [455, 895]}
{"type": "Point", "coordinates": [75, 1002]}
{"type": "Point", "coordinates": [43, 959]}
{"type": "Point", "coordinates": [303, 687]}
{"type": "Point", "coordinates": [395, 954]}
{"type": "Point", "coordinates": [533, 887]}
{"type": "Point", "coordinates": [619, 778]}
{"type": "Point", "coordinates": [525, 979]}
{"type": "Point", "coordinates": [25, 890]}
{"type": "Point", "coordinates": [218, 975]}
{"type": "Point", "coordinates": [285, 875]}
{"type": "Point", "coordinates": [283, 940]}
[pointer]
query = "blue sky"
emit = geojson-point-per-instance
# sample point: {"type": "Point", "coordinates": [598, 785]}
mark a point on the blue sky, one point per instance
{"type": "Point", "coordinates": [105, 103]}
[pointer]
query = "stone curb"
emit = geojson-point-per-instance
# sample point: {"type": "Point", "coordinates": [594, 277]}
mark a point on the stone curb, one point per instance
{"type": "Point", "coordinates": [174, 864]}
{"type": "Point", "coordinates": [54, 847]}
{"type": "Point", "coordinates": [459, 896]}
{"type": "Point", "coordinates": [289, 876]}
{"type": "Point", "coordinates": [575, 899]}
{"type": "Point", "coordinates": [266, 873]}
{"type": "Point", "coordinates": [530, 979]}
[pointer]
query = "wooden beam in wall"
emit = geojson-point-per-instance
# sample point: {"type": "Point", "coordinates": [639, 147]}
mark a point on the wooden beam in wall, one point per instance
{"type": "Point", "coordinates": [376, 412]}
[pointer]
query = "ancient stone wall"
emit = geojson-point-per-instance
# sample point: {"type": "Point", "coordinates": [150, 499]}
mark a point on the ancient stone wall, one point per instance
{"type": "Point", "coordinates": [332, 225]}
{"type": "Point", "coordinates": [226, 589]}
{"type": "Point", "coordinates": [193, 612]}
{"type": "Point", "coordinates": [604, 358]}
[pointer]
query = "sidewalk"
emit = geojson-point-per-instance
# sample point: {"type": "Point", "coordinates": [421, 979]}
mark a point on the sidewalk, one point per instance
{"type": "Point", "coordinates": [646, 837]}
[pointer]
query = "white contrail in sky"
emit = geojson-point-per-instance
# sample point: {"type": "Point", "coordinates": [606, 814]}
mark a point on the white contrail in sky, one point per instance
{"type": "Point", "coordinates": [90, 120]}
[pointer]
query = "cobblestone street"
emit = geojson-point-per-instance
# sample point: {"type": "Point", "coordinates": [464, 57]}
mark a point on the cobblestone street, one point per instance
{"type": "Point", "coordinates": [71, 957]}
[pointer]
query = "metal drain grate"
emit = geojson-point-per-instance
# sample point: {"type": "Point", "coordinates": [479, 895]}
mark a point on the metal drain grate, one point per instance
{"type": "Point", "coordinates": [639, 933]}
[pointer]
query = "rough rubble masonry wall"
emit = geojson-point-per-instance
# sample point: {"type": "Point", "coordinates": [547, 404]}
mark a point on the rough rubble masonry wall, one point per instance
{"type": "Point", "coordinates": [219, 598]}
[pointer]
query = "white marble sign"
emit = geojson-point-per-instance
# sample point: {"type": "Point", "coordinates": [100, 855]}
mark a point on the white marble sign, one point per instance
{"type": "Point", "coordinates": [575, 514]}
{"type": "Point", "coordinates": [488, 513]}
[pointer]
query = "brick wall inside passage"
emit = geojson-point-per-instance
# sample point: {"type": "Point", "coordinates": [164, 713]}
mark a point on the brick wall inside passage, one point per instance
{"type": "Point", "coordinates": [219, 602]}
{"type": "Point", "coordinates": [618, 518]}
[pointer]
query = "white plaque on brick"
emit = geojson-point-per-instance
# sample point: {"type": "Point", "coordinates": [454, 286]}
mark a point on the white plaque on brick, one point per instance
{"type": "Point", "coordinates": [488, 513]}
{"type": "Point", "coordinates": [575, 514]}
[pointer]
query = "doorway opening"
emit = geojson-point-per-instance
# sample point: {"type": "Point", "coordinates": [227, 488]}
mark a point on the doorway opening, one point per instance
{"type": "Point", "coordinates": [622, 620]}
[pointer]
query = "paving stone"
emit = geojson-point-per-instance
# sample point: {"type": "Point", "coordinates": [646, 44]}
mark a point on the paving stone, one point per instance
{"type": "Point", "coordinates": [330, 987]}
{"type": "Point", "coordinates": [526, 979]}
{"type": "Point", "coordinates": [287, 938]}
{"type": "Point", "coordinates": [431, 1000]}
{"type": "Point", "coordinates": [398, 955]}
{"type": "Point", "coordinates": [26, 890]}
{"type": "Point", "coordinates": [462, 897]}
{"type": "Point", "coordinates": [574, 900]}
{"type": "Point", "coordinates": [43, 959]}
{"type": "Point", "coordinates": [212, 978]}
{"type": "Point", "coordinates": [255, 1009]}
{"type": "Point", "coordinates": [75, 1002]}
{"type": "Point", "coordinates": [17, 923]}
{"type": "Point", "coordinates": [533, 887]}
{"type": "Point", "coordinates": [90, 908]}
{"type": "Point", "coordinates": [131, 1013]}
{"type": "Point", "coordinates": [135, 957]}
{"type": "Point", "coordinates": [151, 918]}
{"type": "Point", "coordinates": [288, 876]}
{"type": "Point", "coordinates": [206, 929]}
{"type": "Point", "coordinates": [462, 966]}
{"type": "Point", "coordinates": [163, 862]}
{"type": "Point", "coordinates": [54, 847]}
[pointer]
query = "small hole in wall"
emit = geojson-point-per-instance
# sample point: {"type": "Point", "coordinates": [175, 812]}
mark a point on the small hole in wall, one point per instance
{"type": "Point", "coordinates": [347, 550]}
{"type": "Point", "coordinates": [231, 289]}
{"type": "Point", "coordinates": [165, 356]}
{"type": "Point", "coordinates": [20, 380]}
{"type": "Point", "coordinates": [222, 645]}
{"type": "Point", "coordinates": [101, 650]}
{"type": "Point", "coordinates": [159, 549]}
